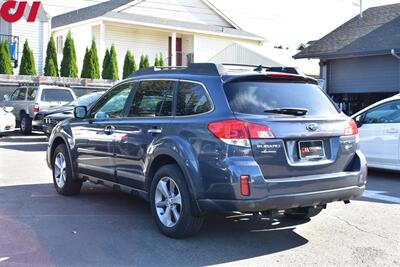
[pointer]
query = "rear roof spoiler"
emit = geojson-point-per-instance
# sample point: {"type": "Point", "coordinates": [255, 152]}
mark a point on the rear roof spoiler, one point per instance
{"type": "Point", "coordinates": [271, 76]}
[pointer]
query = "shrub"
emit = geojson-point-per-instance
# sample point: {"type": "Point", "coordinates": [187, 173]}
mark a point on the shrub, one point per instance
{"type": "Point", "coordinates": [94, 59]}
{"type": "Point", "coordinates": [161, 62]}
{"type": "Point", "coordinates": [69, 68]}
{"type": "Point", "coordinates": [156, 61]}
{"type": "Point", "coordinates": [105, 70]}
{"type": "Point", "coordinates": [129, 65]}
{"type": "Point", "coordinates": [86, 67]}
{"type": "Point", "coordinates": [141, 63]}
{"type": "Point", "coordinates": [27, 62]}
{"type": "Point", "coordinates": [146, 62]}
{"type": "Point", "coordinates": [50, 67]}
{"type": "Point", "coordinates": [5, 59]}
{"type": "Point", "coordinates": [113, 64]}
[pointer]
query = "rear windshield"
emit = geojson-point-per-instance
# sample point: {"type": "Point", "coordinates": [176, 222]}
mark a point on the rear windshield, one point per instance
{"type": "Point", "coordinates": [56, 95]}
{"type": "Point", "coordinates": [257, 97]}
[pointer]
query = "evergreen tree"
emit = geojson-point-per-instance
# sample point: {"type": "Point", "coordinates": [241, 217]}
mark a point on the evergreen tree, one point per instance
{"type": "Point", "coordinates": [69, 68]}
{"type": "Point", "coordinates": [106, 65]}
{"type": "Point", "coordinates": [129, 65]}
{"type": "Point", "coordinates": [146, 62]}
{"type": "Point", "coordinates": [94, 58]}
{"type": "Point", "coordinates": [86, 67]}
{"type": "Point", "coordinates": [161, 62]}
{"type": "Point", "coordinates": [27, 62]}
{"type": "Point", "coordinates": [113, 64]}
{"type": "Point", "coordinates": [5, 59]}
{"type": "Point", "coordinates": [156, 62]}
{"type": "Point", "coordinates": [141, 63]}
{"type": "Point", "coordinates": [50, 67]}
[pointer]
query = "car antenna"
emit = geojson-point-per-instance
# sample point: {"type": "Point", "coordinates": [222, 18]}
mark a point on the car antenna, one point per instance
{"type": "Point", "coordinates": [259, 68]}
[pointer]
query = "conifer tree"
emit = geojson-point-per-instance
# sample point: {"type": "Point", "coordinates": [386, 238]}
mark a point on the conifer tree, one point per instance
{"type": "Point", "coordinates": [94, 58]}
{"type": "Point", "coordinates": [27, 62]}
{"type": "Point", "coordinates": [129, 65]}
{"type": "Point", "coordinates": [113, 64]}
{"type": "Point", "coordinates": [5, 59]}
{"type": "Point", "coordinates": [106, 65]}
{"type": "Point", "coordinates": [50, 67]}
{"type": "Point", "coordinates": [69, 67]}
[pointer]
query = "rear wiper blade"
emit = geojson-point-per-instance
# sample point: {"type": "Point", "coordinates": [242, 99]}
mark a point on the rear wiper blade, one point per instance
{"type": "Point", "coordinates": [288, 111]}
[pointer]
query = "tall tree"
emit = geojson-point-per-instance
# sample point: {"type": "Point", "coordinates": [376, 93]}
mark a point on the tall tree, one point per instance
{"type": "Point", "coordinates": [87, 70]}
{"type": "Point", "coordinates": [113, 64]}
{"type": "Point", "coordinates": [141, 62]}
{"type": "Point", "coordinates": [5, 59]}
{"type": "Point", "coordinates": [161, 62]}
{"type": "Point", "coordinates": [27, 62]}
{"type": "Point", "coordinates": [129, 65]}
{"type": "Point", "coordinates": [94, 58]}
{"type": "Point", "coordinates": [69, 67]}
{"type": "Point", "coordinates": [146, 62]}
{"type": "Point", "coordinates": [106, 66]}
{"type": "Point", "coordinates": [156, 61]}
{"type": "Point", "coordinates": [50, 67]}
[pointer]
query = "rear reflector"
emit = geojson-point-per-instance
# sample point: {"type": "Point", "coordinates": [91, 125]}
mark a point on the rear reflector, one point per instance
{"type": "Point", "coordinates": [351, 128]}
{"type": "Point", "coordinates": [239, 133]}
{"type": "Point", "coordinates": [244, 185]}
{"type": "Point", "coordinates": [36, 108]}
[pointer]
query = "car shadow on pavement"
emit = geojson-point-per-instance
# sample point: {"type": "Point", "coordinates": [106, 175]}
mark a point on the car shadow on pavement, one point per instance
{"type": "Point", "coordinates": [101, 227]}
{"type": "Point", "coordinates": [34, 142]}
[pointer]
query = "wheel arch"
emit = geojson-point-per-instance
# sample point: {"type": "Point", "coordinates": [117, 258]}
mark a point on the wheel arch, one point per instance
{"type": "Point", "coordinates": [164, 158]}
{"type": "Point", "coordinates": [54, 144]}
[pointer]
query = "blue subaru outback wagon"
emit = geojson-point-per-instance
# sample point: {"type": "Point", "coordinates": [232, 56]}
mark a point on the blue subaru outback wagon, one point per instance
{"type": "Point", "coordinates": [206, 139]}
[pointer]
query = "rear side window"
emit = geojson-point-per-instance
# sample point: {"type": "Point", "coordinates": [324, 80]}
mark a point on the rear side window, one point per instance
{"type": "Point", "coordinates": [192, 99]}
{"type": "Point", "coordinates": [32, 94]}
{"type": "Point", "coordinates": [56, 95]}
{"type": "Point", "coordinates": [153, 98]}
{"type": "Point", "coordinates": [256, 97]}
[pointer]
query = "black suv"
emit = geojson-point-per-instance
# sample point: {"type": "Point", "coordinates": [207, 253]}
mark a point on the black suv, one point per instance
{"type": "Point", "coordinates": [206, 139]}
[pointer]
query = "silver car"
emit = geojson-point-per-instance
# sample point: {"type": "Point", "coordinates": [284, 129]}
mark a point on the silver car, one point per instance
{"type": "Point", "coordinates": [28, 101]}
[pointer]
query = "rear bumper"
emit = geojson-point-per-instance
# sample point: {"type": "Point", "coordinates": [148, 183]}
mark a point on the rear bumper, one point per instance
{"type": "Point", "coordinates": [37, 124]}
{"type": "Point", "coordinates": [285, 201]}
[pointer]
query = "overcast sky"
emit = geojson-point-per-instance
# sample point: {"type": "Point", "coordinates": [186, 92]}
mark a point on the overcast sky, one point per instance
{"type": "Point", "coordinates": [286, 22]}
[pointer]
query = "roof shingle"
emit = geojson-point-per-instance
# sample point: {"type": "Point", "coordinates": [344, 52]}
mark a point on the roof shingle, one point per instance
{"type": "Point", "coordinates": [376, 33]}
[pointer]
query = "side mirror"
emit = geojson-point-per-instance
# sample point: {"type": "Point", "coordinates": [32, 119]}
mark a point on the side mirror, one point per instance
{"type": "Point", "coordinates": [80, 112]}
{"type": "Point", "coordinates": [6, 97]}
{"type": "Point", "coordinates": [101, 116]}
{"type": "Point", "coordinates": [359, 121]}
{"type": "Point", "coordinates": [8, 109]}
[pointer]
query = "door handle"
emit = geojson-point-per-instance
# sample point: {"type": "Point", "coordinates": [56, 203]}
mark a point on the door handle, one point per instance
{"type": "Point", "coordinates": [109, 130]}
{"type": "Point", "coordinates": [154, 131]}
{"type": "Point", "coordinates": [392, 130]}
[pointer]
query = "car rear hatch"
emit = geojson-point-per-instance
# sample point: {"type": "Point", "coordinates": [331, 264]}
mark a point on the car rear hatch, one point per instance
{"type": "Point", "coordinates": [52, 98]}
{"type": "Point", "coordinates": [316, 140]}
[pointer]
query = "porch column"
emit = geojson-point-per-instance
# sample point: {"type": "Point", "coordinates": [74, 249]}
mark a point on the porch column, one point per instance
{"type": "Point", "coordinates": [173, 49]}
{"type": "Point", "coordinates": [102, 40]}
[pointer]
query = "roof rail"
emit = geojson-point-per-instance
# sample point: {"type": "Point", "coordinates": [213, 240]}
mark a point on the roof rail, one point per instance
{"type": "Point", "coordinates": [210, 69]}
{"type": "Point", "coordinates": [291, 70]}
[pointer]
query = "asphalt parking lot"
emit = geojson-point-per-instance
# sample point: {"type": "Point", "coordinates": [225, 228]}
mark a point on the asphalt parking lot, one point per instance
{"type": "Point", "coordinates": [101, 227]}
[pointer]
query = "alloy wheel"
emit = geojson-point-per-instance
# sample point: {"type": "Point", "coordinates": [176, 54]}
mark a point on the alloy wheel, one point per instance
{"type": "Point", "coordinates": [168, 202]}
{"type": "Point", "coordinates": [60, 170]}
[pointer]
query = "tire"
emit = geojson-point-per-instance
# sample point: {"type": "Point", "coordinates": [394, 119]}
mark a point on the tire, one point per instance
{"type": "Point", "coordinates": [26, 124]}
{"type": "Point", "coordinates": [63, 181]}
{"type": "Point", "coordinates": [303, 213]}
{"type": "Point", "coordinates": [187, 223]}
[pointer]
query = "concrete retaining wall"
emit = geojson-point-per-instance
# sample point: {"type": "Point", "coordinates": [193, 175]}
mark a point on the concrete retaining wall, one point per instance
{"type": "Point", "coordinates": [8, 83]}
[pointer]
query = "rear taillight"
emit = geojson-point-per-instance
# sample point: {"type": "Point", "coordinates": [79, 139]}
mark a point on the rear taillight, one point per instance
{"type": "Point", "coordinates": [351, 128]}
{"type": "Point", "coordinates": [239, 133]}
{"type": "Point", "coordinates": [244, 185]}
{"type": "Point", "coordinates": [36, 108]}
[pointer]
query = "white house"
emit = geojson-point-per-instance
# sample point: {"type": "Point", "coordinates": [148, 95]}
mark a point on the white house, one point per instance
{"type": "Point", "coordinates": [37, 33]}
{"type": "Point", "coordinates": [183, 31]}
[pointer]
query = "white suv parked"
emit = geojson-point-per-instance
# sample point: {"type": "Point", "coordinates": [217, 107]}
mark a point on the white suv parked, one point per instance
{"type": "Point", "coordinates": [29, 100]}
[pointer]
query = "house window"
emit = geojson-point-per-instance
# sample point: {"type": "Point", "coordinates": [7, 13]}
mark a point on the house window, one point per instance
{"type": "Point", "coordinates": [60, 44]}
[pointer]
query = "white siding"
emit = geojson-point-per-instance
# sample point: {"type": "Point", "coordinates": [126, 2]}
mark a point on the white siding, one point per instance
{"type": "Point", "coordinates": [183, 10]}
{"type": "Point", "coordinates": [206, 47]}
{"type": "Point", "coordinates": [139, 41]}
{"type": "Point", "coordinates": [37, 35]}
{"type": "Point", "coordinates": [237, 54]}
